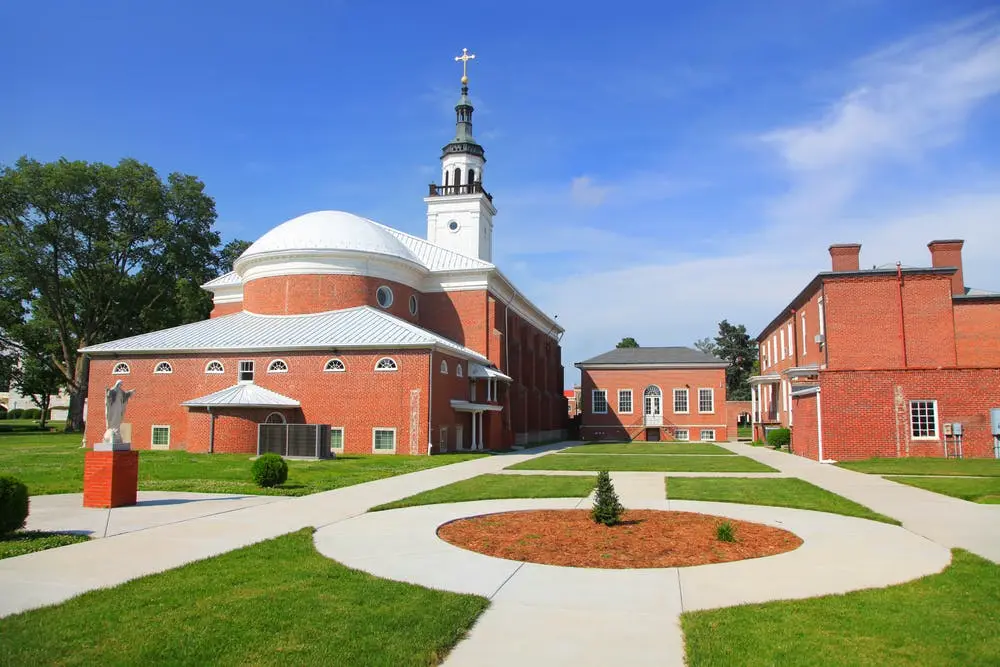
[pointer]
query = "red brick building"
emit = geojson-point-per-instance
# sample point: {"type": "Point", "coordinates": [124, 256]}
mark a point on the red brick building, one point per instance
{"type": "Point", "coordinates": [399, 344]}
{"type": "Point", "coordinates": [890, 361]}
{"type": "Point", "coordinates": [654, 394]}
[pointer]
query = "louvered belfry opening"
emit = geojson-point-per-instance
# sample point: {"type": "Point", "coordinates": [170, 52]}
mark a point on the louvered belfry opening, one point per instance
{"type": "Point", "coordinates": [305, 441]}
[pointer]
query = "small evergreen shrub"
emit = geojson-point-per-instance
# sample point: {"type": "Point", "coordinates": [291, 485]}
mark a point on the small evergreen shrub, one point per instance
{"type": "Point", "coordinates": [269, 470]}
{"type": "Point", "coordinates": [32, 413]}
{"type": "Point", "coordinates": [779, 437]}
{"type": "Point", "coordinates": [13, 504]}
{"type": "Point", "coordinates": [15, 413]}
{"type": "Point", "coordinates": [725, 532]}
{"type": "Point", "coordinates": [607, 508]}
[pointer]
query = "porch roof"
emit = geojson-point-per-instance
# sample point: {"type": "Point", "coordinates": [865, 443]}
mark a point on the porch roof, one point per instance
{"type": "Point", "coordinates": [243, 395]}
{"type": "Point", "coordinates": [469, 406]}
{"type": "Point", "coordinates": [771, 378]}
{"type": "Point", "coordinates": [480, 371]}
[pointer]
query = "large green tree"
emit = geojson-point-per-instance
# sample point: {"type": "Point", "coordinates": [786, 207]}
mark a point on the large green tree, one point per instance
{"type": "Point", "coordinates": [628, 341]}
{"type": "Point", "coordinates": [229, 253]}
{"type": "Point", "coordinates": [95, 252]}
{"type": "Point", "coordinates": [734, 344]}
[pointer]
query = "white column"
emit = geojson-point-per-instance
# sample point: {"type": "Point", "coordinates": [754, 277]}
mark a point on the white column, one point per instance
{"type": "Point", "coordinates": [472, 442]}
{"type": "Point", "coordinates": [480, 430]}
{"type": "Point", "coordinates": [753, 410]}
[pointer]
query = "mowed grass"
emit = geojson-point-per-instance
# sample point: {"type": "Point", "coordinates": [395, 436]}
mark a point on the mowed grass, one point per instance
{"type": "Point", "coordinates": [649, 448]}
{"type": "Point", "coordinates": [491, 487]}
{"type": "Point", "coordinates": [946, 619]}
{"type": "Point", "coordinates": [985, 490]}
{"type": "Point", "coordinates": [643, 463]}
{"type": "Point", "coordinates": [777, 491]}
{"type": "Point", "coordinates": [29, 541]}
{"type": "Point", "coordinates": [926, 466]}
{"type": "Point", "coordinates": [53, 463]}
{"type": "Point", "coordinates": [278, 602]}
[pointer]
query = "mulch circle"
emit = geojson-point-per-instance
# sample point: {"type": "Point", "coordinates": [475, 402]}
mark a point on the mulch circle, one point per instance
{"type": "Point", "coordinates": [645, 538]}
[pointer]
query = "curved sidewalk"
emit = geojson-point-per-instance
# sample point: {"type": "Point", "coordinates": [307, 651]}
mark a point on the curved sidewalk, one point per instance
{"type": "Point", "coordinates": [542, 614]}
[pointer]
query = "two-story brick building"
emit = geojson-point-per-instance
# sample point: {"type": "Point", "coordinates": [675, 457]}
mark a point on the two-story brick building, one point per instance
{"type": "Point", "coordinates": [654, 394]}
{"type": "Point", "coordinates": [890, 361]}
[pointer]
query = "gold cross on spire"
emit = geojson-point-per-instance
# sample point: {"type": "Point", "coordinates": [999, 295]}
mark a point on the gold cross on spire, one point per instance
{"type": "Point", "coordinates": [465, 58]}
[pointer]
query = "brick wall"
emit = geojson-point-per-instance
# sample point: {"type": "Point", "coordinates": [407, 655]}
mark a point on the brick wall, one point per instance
{"type": "Point", "coordinates": [733, 411]}
{"type": "Point", "coordinates": [805, 436]}
{"type": "Point", "coordinates": [299, 294]}
{"type": "Point", "coordinates": [220, 309]}
{"type": "Point", "coordinates": [977, 333]}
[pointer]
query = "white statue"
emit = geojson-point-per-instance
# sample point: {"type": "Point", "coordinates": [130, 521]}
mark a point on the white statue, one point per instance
{"type": "Point", "coordinates": [115, 400]}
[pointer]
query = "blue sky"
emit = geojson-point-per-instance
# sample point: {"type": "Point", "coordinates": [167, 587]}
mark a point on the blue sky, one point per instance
{"type": "Point", "coordinates": [657, 166]}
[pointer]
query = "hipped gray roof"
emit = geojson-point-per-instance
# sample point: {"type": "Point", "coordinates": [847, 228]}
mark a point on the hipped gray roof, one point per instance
{"type": "Point", "coordinates": [654, 356]}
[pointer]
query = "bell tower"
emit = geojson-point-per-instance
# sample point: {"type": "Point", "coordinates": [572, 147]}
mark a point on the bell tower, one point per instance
{"type": "Point", "coordinates": [460, 211]}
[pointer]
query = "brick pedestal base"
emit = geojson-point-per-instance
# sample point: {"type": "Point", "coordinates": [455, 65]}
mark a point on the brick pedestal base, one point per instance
{"type": "Point", "coordinates": [110, 479]}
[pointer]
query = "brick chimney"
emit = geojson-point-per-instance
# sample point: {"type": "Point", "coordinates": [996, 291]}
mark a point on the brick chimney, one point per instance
{"type": "Point", "coordinates": [949, 253]}
{"type": "Point", "coordinates": [846, 256]}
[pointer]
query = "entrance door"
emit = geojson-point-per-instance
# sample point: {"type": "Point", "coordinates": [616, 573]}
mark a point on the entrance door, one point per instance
{"type": "Point", "coordinates": [652, 406]}
{"type": "Point", "coordinates": [459, 443]}
{"type": "Point", "coordinates": [652, 435]}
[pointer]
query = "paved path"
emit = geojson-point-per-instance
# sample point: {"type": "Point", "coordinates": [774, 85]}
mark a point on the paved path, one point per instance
{"type": "Point", "coordinates": [678, 473]}
{"type": "Point", "coordinates": [948, 521]}
{"type": "Point", "coordinates": [52, 576]}
{"type": "Point", "coordinates": [543, 614]}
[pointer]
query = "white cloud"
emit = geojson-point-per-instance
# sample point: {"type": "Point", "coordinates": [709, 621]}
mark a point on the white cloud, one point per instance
{"type": "Point", "coordinates": [584, 192]}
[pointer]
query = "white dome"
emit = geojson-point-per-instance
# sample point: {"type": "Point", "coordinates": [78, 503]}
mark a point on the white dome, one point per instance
{"type": "Point", "coordinates": [329, 230]}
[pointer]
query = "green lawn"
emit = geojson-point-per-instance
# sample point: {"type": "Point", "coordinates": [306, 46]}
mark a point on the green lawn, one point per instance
{"type": "Point", "coordinates": [926, 466]}
{"type": "Point", "coordinates": [490, 487]}
{"type": "Point", "coordinates": [53, 463]}
{"type": "Point", "coordinates": [648, 448]}
{"type": "Point", "coordinates": [630, 462]}
{"type": "Point", "coordinates": [951, 618]}
{"type": "Point", "coordinates": [984, 490]}
{"type": "Point", "coordinates": [274, 603]}
{"type": "Point", "coordinates": [777, 491]}
{"type": "Point", "coordinates": [9, 426]}
{"type": "Point", "coordinates": [29, 541]}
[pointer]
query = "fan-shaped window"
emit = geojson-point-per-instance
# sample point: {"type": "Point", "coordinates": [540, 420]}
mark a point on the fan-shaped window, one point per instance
{"type": "Point", "coordinates": [386, 364]}
{"type": "Point", "coordinates": [163, 367]}
{"type": "Point", "coordinates": [413, 304]}
{"type": "Point", "coordinates": [334, 366]}
{"type": "Point", "coordinates": [458, 370]}
{"type": "Point", "coordinates": [277, 366]}
{"type": "Point", "coordinates": [214, 367]}
{"type": "Point", "coordinates": [121, 368]}
{"type": "Point", "coordinates": [384, 296]}
{"type": "Point", "coordinates": [275, 418]}
{"type": "Point", "coordinates": [444, 367]}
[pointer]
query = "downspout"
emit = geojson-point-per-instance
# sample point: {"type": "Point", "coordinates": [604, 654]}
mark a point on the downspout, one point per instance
{"type": "Point", "coordinates": [902, 321]}
{"type": "Point", "coordinates": [819, 425]}
{"type": "Point", "coordinates": [211, 431]}
{"type": "Point", "coordinates": [430, 400]}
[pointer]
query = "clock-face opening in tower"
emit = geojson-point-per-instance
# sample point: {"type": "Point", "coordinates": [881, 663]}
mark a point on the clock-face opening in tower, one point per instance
{"type": "Point", "coordinates": [453, 226]}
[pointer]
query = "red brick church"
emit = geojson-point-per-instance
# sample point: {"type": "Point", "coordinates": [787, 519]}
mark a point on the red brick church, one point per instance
{"type": "Point", "coordinates": [397, 344]}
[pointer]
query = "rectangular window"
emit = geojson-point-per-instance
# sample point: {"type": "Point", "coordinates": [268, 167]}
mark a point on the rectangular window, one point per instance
{"type": "Point", "coordinates": [774, 349]}
{"type": "Point", "coordinates": [625, 401]}
{"type": "Point", "coordinates": [923, 419]}
{"type": "Point", "coordinates": [383, 440]}
{"type": "Point", "coordinates": [707, 435]}
{"type": "Point", "coordinates": [782, 344]}
{"type": "Point", "coordinates": [706, 401]}
{"type": "Point", "coordinates": [443, 439]}
{"type": "Point", "coordinates": [599, 401]}
{"type": "Point", "coordinates": [822, 317]}
{"type": "Point", "coordinates": [246, 371]}
{"type": "Point", "coordinates": [681, 401]}
{"type": "Point", "coordinates": [336, 439]}
{"type": "Point", "coordinates": [805, 345]}
{"type": "Point", "coordinates": [791, 341]}
{"type": "Point", "coordinates": [682, 434]}
{"type": "Point", "coordinates": [161, 437]}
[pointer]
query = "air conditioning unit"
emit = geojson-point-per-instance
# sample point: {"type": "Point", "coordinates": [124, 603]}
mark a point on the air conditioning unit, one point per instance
{"type": "Point", "coordinates": [820, 338]}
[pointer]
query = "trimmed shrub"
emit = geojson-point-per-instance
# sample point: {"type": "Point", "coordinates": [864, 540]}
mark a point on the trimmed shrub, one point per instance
{"type": "Point", "coordinates": [725, 532]}
{"type": "Point", "coordinates": [15, 413]}
{"type": "Point", "coordinates": [269, 470]}
{"type": "Point", "coordinates": [3, 414]}
{"type": "Point", "coordinates": [13, 504]}
{"type": "Point", "coordinates": [779, 437]}
{"type": "Point", "coordinates": [607, 508]}
{"type": "Point", "coordinates": [32, 413]}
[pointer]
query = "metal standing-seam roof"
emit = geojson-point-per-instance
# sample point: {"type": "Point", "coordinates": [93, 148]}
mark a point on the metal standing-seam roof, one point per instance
{"type": "Point", "coordinates": [360, 327]}
{"type": "Point", "coordinates": [231, 278]}
{"type": "Point", "coordinates": [642, 356]}
{"type": "Point", "coordinates": [244, 395]}
{"type": "Point", "coordinates": [434, 257]}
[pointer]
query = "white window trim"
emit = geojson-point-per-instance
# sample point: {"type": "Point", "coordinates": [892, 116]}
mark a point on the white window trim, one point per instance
{"type": "Point", "coordinates": [240, 371]}
{"type": "Point", "coordinates": [631, 401]}
{"type": "Point", "coordinates": [115, 371]}
{"type": "Point", "coordinates": [222, 367]}
{"type": "Point", "coordinates": [444, 367]}
{"type": "Point", "coordinates": [593, 395]}
{"type": "Point", "coordinates": [395, 365]}
{"type": "Point", "coordinates": [686, 432]}
{"type": "Point", "coordinates": [327, 369]}
{"type": "Point", "coordinates": [341, 429]}
{"type": "Point", "coordinates": [414, 304]}
{"type": "Point", "coordinates": [791, 337]}
{"type": "Point", "coordinates": [822, 317]}
{"type": "Point", "coordinates": [157, 371]}
{"type": "Point", "coordinates": [805, 342]}
{"type": "Point", "coordinates": [152, 429]}
{"type": "Point", "coordinates": [706, 412]}
{"type": "Point", "coordinates": [272, 369]}
{"type": "Point", "coordinates": [390, 300]}
{"type": "Point", "coordinates": [782, 333]}
{"type": "Point", "coordinates": [937, 421]}
{"type": "Point", "coordinates": [687, 402]}
{"type": "Point", "coordinates": [703, 431]}
{"type": "Point", "coordinates": [271, 414]}
{"type": "Point", "coordinates": [458, 370]}
{"type": "Point", "coordinates": [394, 442]}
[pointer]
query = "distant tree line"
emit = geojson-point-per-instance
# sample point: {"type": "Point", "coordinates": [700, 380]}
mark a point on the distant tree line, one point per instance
{"type": "Point", "coordinates": [733, 344]}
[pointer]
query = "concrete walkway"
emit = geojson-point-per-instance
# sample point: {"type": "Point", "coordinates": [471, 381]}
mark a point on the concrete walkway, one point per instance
{"type": "Point", "coordinates": [53, 576]}
{"type": "Point", "coordinates": [543, 614]}
{"type": "Point", "coordinates": [948, 521]}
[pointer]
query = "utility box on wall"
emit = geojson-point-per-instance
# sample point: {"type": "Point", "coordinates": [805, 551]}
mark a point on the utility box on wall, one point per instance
{"type": "Point", "coordinates": [995, 421]}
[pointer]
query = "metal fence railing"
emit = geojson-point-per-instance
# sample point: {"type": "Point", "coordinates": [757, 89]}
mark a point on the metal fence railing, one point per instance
{"type": "Point", "coordinates": [295, 440]}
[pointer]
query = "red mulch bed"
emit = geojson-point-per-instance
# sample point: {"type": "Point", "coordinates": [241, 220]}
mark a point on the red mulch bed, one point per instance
{"type": "Point", "coordinates": [645, 538]}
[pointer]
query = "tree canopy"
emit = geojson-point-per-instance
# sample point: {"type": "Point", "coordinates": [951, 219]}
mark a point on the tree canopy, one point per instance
{"type": "Point", "coordinates": [91, 252]}
{"type": "Point", "coordinates": [734, 345]}
{"type": "Point", "coordinates": [628, 341]}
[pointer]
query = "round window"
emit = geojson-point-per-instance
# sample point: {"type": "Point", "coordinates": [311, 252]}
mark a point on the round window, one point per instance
{"type": "Point", "coordinates": [413, 304]}
{"type": "Point", "coordinates": [384, 296]}
{"type": "Point", "coordinates": [453, 226]}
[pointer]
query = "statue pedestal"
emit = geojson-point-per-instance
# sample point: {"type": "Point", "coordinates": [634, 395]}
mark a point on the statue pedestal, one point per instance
{"type": "Point", "coordinates": [110, 478]}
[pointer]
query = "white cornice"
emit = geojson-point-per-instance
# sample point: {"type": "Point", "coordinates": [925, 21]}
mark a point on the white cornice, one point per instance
{"type": "Point", "coordinates": [335, 262]}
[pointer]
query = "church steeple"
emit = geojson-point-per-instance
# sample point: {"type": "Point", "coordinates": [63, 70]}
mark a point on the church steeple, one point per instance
{"type": "Point", "coordinates": [463, 141]}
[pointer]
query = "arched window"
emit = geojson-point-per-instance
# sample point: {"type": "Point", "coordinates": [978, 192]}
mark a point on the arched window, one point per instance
{"type": "Point", "coordinates": [162, 368]}
{"type": "Point", "coordinates": [386, 364]}
{"type": "Point", "coordinates": [458, 178]}
{"type": "Point", "coordinates": [458, 370]}
{"type": "Point", "coordinates": [334, 366]}
{"type": "Point", "coordinates": [444, 367]}
{"type": "Point", "coordinates": [384, 296]}
{"type": "Point", "coordinates": [214, 367]}
{"type": "Point", "coordinates": [447, 177]}
{"type": "Point", "coordinates": [413, 304]}
{"type": "Point", "coordinates": [277, 366]}
{"type": "Point", "coordinates": [472, 179]}
{"type": "Point", "coordinates": [121, 368]}
{"type": "Point", "coordinates": [275, 418]}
